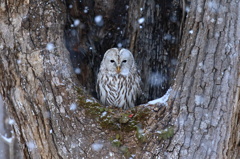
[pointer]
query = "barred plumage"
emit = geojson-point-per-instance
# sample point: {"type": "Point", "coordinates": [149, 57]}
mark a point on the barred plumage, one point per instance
{"type": "Point", "coordinates": [118, 82]}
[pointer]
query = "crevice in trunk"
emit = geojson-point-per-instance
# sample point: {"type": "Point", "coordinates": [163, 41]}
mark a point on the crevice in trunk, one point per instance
{"type": "Point", "coordinates": [154, 43]}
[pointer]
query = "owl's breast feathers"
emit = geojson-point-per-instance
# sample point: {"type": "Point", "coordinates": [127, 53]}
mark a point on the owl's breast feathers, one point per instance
{"type": "Point", "coordinates": [119, 90]}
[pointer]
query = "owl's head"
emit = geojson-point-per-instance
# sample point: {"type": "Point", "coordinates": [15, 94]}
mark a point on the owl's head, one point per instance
{"type": "Point", "coordinates": [118, 61]}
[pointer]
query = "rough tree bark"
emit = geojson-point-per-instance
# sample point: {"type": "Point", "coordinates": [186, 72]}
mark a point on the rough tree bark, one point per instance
{"type": "Point", "coordinates": [38, 84]}
{"type": "Point", "coordinates": [40, 88]}
{"type": "Point", "coordinates": [206, 106]}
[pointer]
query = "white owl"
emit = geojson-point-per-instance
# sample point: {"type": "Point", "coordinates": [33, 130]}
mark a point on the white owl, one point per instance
{"type": "Point", "coordinates": [118, 82]}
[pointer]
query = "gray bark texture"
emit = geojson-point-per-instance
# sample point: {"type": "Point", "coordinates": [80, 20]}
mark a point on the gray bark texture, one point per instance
{"type": "Point", "coordinates": [206, 105]}
{"type": "Point", "coordinates": [40, 89]}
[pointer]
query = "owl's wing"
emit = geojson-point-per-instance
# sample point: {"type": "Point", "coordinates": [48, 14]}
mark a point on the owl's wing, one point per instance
{"type": "Point", "coordinates": [98, 85]}
{"type": "Point", "coordinates": [101, 88]}
{"type": "Point", "coordinates": [139, 84]}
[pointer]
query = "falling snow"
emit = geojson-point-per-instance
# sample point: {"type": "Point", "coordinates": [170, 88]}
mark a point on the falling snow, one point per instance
{"type": "Point", "coordinates": [11, 121]}
{"type": "Point", "coordinates": [19, 61]}
{"type": "Point", "coordinates": [77, 70]}
{"type": "Point", "coordinates": [201, 65]}
{"type": "Point", "coordinates": [156, 79]}
{"type": "Point", "coordinates": [119, 45]}
{"type": "Point", "coordinates": [97, 146]}
{"type": "Point", "coordinates": [219, 20]}
{"type": "Point", "coordinates": [228, 47]}
{"type": "Point", "coordinates": [76, 22]}
{"type": "Point", "coordinates": [199, 99]}
{"type": "Point", "coordinates": [199, 9]}
{"type": "Point", "coordinates": [111, 154]}
{"type": "Point", "coordinates": [190, 31]}
{"type": "Point", "coordinates": [212, 20]}
{"type": "Point", "coordinates": [73, 106]}
{"type": "Point", "coordinates": [31, 145]}
{"type": "Point", "coordinates": [141, 20]}
{"type": "Point", "coordinates": [50, 46]}
{"type": "Point", "coordinates": [85, 9]}
{"type": "Point", "coordinates": [103, 114]}
{"type": "Point", "coordinates": [212, 5]}
{"type": "Point", "coordinates": [99, 20]}
{"type": "Point", "coordinates": [167, 37]}
{"type": "Point", "coordinates": [140, 130]}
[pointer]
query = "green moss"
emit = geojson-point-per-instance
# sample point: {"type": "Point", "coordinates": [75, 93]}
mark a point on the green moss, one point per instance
{"type": "Point", "coordinates": [116, 143]}
{"type": "Point", "coordinates": [121, 122]}
{"type": "Point", "coordinates": [125, 150]}
{"type": "Point", "coordinates": [140, 135]}
{"type": "Point", "coordinates": [166, 133]}
{"type": "Point", "coordinates": [113, 118]}
{"type": "Point", "coordinates": [125, 121]}
{"type": "Point", "coordinates": [117, 120]}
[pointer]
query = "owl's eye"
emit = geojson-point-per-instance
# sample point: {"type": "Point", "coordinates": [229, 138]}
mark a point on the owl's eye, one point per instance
{"type": "Point", "coordinates": [112, 61]}
{"type": "Point", "coordinates": [124, 61]}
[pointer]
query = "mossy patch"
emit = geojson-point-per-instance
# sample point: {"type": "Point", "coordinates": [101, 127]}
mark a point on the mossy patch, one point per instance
{"type": "Point", "coordinates": [123, 124]}
{"type": "Point", "coordinates": [165, 133]}
{"type": "Point", "coordinates": [114, 119]}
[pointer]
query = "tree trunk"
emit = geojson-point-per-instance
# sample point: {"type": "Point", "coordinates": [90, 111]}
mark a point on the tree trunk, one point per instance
{"type": "Point", "coordinates": [38, 83]}
{"type": "Point", "coordinates": [51, 110]}
{"type": "Point", "coordinates": [206, 104]}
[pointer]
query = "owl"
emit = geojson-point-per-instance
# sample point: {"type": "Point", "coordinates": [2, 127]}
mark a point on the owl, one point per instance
{"type": "Point", "coordinates": [118, 82]}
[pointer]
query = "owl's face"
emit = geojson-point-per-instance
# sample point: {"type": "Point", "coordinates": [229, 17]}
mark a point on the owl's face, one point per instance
{"type": "Point", "coordinates": [118, 61]}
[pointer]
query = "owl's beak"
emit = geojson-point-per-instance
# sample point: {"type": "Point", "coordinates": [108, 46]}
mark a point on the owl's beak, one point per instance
{"type": "Point", "coordinates": [118, 69]}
